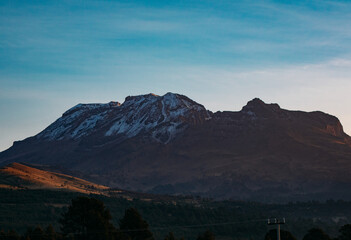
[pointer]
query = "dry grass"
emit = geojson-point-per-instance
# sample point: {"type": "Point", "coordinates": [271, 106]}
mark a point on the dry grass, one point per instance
{"type": "Point", "coordinates": [18, 176]}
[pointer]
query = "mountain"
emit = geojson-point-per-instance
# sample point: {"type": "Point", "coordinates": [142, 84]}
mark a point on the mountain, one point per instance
{"type": "Point", "coordinates": [171, 144]}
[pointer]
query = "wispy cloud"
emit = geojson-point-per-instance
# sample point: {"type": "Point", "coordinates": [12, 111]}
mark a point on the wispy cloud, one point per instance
{"type": "Point", "coordinates": [246, 32]}
{"type": "Point", "coordinates": [221, 53]}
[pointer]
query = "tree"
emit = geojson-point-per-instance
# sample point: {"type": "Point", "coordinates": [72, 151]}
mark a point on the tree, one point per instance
{"type": "Point", "coordinates": [345, 232]}
{"type": "Point", "coordinates": [2, 235]}
{"type": "Point", "coordinates": [316, 234]}
{"type": "Point", "coordinates": [50, 233]}
{"type": "Point", "coordinates": [284, 235]}
{"type": "Point", "coordinates": [87, 219]}
{"type": "Point", "coordinates": [37, 234]}
{"type": "Point", "coordinates": [10, 235]}
{"type": "Point", "coordinates": [134, 226]}
{"type": "Point", "coordinates": [170, 236]}
{"type": "Point", "coordinates": [208, 235]}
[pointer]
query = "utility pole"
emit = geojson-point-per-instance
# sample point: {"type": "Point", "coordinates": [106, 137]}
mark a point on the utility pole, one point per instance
{"type": "Point", "coordinates": [277, 222]}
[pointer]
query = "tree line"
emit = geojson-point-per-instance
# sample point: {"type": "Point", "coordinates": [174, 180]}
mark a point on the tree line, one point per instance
{"type": "Point", "coordinates": [88, 219]}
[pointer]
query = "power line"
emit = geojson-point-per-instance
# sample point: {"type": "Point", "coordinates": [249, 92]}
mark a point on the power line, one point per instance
{"type": "Point", "coordinates": [210, 224]}
{"type": "Point", "coordinates": [193, 226]}
{"type": "Point", "coordinates": [185, 226]}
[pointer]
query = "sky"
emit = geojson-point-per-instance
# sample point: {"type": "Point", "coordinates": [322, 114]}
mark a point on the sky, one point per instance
{"type": "Point", "coordinates": [56, 54]}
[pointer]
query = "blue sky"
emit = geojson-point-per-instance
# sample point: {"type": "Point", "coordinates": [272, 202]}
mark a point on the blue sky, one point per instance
{"type": "Point", "coordinates": [55, 54]}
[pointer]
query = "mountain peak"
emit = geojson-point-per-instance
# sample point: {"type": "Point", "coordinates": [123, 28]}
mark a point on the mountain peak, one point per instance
{"type": "Point", "coordinates": [255, 102]}
{"type": "Point", "coordinates": [150, 96]}
{"type": "Point", "coordinates": [174, 100]}
{"type": "Point", "coordinates": [159, 117]}
{"type": "Point", "coordinates": [162, 117]}
{"type": "Point", "coordinates": [259, 107]}
{"type": "Point", "coordinates": [140, 98]}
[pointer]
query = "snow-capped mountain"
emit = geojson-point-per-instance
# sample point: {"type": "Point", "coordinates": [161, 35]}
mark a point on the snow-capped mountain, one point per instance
{"type": "Point", "coordinates": [160, 117]}
{"type": "Point", "coordinates": [171, 144]}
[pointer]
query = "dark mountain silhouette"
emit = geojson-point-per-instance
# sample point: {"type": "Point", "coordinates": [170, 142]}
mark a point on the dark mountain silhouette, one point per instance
{"type": "Point", "coordinates": [171, 144]}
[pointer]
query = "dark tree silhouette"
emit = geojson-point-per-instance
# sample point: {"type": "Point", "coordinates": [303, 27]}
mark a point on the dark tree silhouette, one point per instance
{"type": "Point", "coordinates": [208, 235]}
{"type": "Point", "coordinates": [284, 235]}
{"type": "Point", "coordinates": [50, 233]}
{"type": "Point", "coordinates": [170, 236]}
{"type": "Point", "coordinates": [10, 235]}
{"type": "Point", "coordinates": [345, 232]}
{"type": "Point", "coordinates": [134, 226]}
{"type": "Point", "coordinates": [316, 234]}
{"type": "Point", "coordinates": [37, 234]}
{"type": "Point", "coordinates": [2, 235]}
{"type": "Point", "coordinates": [87, 219]}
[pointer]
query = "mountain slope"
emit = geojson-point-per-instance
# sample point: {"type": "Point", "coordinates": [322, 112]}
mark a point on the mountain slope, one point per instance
{"type": "Point", "coordinates": [171, 144]}
{"type": "Point", "coordinates": [19, 176]}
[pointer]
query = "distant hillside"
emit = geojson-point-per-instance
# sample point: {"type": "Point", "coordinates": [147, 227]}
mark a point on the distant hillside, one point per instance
{"type": "Point", "coordinates": [19, 176]}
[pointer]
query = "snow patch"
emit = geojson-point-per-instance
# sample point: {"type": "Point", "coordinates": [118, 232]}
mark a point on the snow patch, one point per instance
{"type": "Point", "coordinates": [86, 125]}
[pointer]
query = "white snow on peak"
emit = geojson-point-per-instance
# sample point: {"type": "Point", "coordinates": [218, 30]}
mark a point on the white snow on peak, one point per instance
{"type": "Point", "coordinates": [162, 117]}
{"type": "Point", "coordinates": [171, 100]}
{"type": "Point", "coordinates": [87, 124]}
{"type": "Point", "coordinates": [77, 121]}
{"type": "Point", "coordinates": [174, 101]}
{"type": "Point", "coordinates": [92, 106]}
{"type": "Point", "coordinates": [140, 98]}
